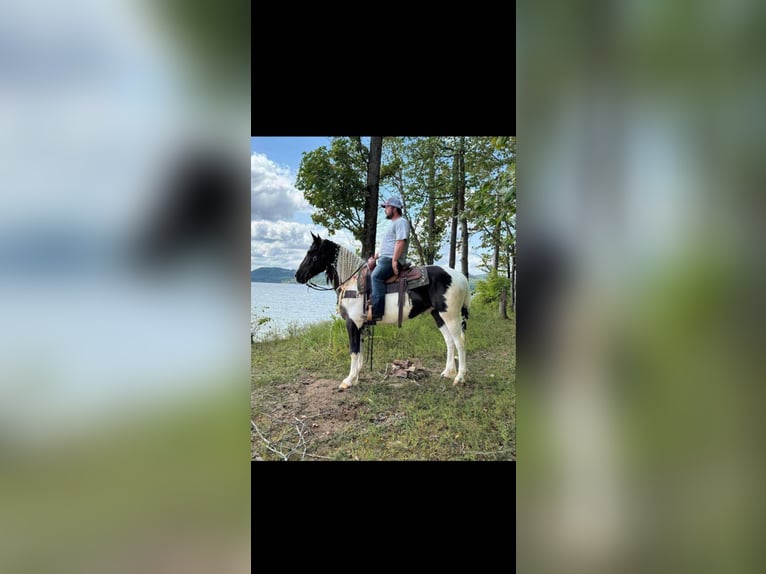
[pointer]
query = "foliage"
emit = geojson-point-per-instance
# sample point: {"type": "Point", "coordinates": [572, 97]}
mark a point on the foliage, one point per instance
{"type": "Point", "coordinates": [333, 180]}
{"type": "Point", "coordinates": [491, 208]}
{"type": "Point", "coordinates": [418, 173]}
{"type": "Point", "coordinates": [256, 324]}
{"type": "Point", "coordinates": [489, 290]}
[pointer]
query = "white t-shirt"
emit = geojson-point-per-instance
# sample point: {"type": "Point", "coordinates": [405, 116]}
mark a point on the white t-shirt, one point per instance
{"type": "Point", "coordinates": [399, 229]}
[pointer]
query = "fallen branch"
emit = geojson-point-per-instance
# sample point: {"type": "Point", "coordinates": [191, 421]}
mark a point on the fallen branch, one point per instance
{"type": "Point", "coordinates": [318, 456]}
{"type": "Point", "coordinates": [300, 438]}
{"type": "Point", "coordinates": [267, 442]}
{"type": "Point", "coordinates": [299, 428]}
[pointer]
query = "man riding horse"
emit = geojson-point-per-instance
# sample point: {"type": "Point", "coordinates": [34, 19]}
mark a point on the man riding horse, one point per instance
{"type": "Point", "coordinates": [392, 255]}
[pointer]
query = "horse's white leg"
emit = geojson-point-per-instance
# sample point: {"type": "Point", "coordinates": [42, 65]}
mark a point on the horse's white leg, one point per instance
{"type": "Point", "coordinates": [456, 329]}
{"type": "Point", "coordinates": [354, 341]}
{"type": "Point", "coordinates": [449, 368]}
{"type": "Point", "coordinates": [353, 374]}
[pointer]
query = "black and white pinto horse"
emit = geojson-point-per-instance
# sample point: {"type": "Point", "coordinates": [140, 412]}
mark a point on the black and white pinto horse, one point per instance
{"type": "Point", "coordinates": [446, 296]}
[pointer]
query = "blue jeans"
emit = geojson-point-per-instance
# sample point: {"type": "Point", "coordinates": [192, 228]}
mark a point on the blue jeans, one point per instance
{"type": "Point", "coordinates": [383, 270]}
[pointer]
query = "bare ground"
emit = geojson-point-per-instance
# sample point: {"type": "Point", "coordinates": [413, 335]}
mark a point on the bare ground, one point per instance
{"type": "Point", "coordinates": [292, 417]}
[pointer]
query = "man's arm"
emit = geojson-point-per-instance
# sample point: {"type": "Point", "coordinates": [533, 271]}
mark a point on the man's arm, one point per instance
{"type": "Point", "coordinates": [398, 250]}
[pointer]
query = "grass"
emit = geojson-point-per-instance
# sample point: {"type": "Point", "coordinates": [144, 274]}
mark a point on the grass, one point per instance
{"type": "Point", "coordinates": [383, 417]}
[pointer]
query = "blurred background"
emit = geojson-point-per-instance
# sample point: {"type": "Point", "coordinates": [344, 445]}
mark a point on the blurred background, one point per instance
{"type": "Point", "coordinates": [124, 434]}
{"type": "Point", "coordinates": [641, 128]}
{"type": "Point", "coordinates": [123, 345]}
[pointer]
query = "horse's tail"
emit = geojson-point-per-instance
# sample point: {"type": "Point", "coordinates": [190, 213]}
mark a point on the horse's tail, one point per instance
{"type": "Point", "coordinates": [466, 305]}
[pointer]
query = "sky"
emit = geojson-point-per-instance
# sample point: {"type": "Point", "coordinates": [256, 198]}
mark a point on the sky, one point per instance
{"type": "Point", "coordinates": [280, 217]}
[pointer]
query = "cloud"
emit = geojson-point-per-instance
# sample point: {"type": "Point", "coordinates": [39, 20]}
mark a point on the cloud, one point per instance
{"type": "Point", "coordinates": [284, 243]}
{"type": "Point", "coordinates": [275, 241]}
{"type": "Point", "coordinates": [279, 243]}
{"type": "Point", "coordinates": [273, 195]}
{"type": "Point", "coordinates": [289, 232]}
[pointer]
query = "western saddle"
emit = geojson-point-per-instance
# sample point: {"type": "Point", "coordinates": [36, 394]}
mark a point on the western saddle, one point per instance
{"type": "Point", "coordinates": [409, 277]}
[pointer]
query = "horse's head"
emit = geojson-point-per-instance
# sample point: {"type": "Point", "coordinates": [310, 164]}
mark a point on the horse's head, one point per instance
{"type": "Point", "coordinates": [318, 258]}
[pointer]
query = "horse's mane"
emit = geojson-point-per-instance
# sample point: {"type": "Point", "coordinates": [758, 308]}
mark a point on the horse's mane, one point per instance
{"type": "Point", "coordinates": [347, 264]}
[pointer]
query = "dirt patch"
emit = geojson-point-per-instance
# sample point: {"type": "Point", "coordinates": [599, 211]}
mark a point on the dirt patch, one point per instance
{"type": "Point", "coordinates": [329, 409]}
{"type": "Point", "coordinates": [292, 420]}
{"type": "Point", "coordinates": [292, 417]}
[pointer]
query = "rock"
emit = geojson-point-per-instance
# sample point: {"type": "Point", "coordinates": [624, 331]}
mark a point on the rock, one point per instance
{"type": "Point", "coordinates": [408, 369]}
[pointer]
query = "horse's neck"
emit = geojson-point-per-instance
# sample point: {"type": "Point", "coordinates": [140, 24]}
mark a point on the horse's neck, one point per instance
{"type": "Point", "coordinates": [348, 263]}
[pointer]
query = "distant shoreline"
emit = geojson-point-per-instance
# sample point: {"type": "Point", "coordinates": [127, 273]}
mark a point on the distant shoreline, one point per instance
{"type": "Point", "coordinates": [272, 275]}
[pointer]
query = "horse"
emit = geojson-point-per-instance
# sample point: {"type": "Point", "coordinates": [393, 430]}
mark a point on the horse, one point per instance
{"type": "Point", "coordinates": [446, 296]}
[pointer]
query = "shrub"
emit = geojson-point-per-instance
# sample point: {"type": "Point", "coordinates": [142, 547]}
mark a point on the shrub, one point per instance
{"type": "Point", "coordinates": [489, 290]}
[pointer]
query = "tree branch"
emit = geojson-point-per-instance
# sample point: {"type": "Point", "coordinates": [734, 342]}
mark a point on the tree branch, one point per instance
{"type": "Point", "coordinates": [285, 456]}
{"type": "Point", "coordinates": [267, 442]}
{"type": "Point", "coordinates": [364, 153]}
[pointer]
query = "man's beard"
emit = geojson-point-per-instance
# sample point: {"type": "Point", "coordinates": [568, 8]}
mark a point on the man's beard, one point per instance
{"type": "Point", "coordinates": [389, 215]}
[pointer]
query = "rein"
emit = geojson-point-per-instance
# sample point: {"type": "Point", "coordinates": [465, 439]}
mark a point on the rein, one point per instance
{"type": "Point", "coordinates": [340, 283]}
{"type": "Point", "coordinates": [315, 287]}
{"type": "Point", "coordinates": [369, 330]}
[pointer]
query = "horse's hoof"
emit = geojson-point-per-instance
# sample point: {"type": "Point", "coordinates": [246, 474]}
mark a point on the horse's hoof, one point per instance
{"type": "Point", "coordinates": [457, 381]}
{"type": "Point", "coordinates": [345, 385]}
{"type": "Point", "coordinates": [448, 374]}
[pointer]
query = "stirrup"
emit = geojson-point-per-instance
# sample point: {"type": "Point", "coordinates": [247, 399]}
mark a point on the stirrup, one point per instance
{"type": "Point", "coordinates": [370, 319]}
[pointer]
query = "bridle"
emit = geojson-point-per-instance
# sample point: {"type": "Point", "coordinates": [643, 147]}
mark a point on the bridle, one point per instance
{"type": "Point", "coordinates": [340, 283]}
{"type": "Point", "coordinates": [316, 287]}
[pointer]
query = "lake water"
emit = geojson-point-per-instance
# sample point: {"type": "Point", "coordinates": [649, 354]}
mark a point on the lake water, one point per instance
{"type": "Point", "coordinates": [288, 303]}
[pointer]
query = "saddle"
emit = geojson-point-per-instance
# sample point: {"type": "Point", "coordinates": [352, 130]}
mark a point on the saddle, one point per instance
{"type": "Point", "coordinates": [409, 277]}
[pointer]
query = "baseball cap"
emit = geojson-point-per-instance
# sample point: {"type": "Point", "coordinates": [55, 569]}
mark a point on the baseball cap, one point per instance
{"type": "Point", "coordinates": [393, 202]}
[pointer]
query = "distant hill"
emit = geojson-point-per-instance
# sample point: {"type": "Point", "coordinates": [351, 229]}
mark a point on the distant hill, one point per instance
{"type": "Point", "coordinates": [272, 275]}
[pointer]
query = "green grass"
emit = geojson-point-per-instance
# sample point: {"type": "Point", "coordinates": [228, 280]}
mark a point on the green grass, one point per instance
{"type": "Point", "coordinates": [385, 418]}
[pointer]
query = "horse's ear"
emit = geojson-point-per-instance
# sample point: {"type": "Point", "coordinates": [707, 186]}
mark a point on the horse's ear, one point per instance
{"type": "Point", "coordinates": [314, 237]}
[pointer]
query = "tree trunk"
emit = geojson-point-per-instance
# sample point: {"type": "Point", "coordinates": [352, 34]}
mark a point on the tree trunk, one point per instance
{"type": "Point", "coordinates": [496, 234]}
{"type": "Point", "coordinates": [461, 209]}
{"type": "Point", "coordinates": [371, 199]}
{"type": "Point", "coordinates": [453, 231]}
{"type": "Point", "coordinates": [431, 239]}
{"type": "Point", "coordinates": [418, 245]}
{"type": "Point", "coordinates": [503, 302]}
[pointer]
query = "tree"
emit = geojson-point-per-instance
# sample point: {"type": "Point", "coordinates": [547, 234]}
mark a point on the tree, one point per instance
{"type": "Point", "coordinates": [333, 180]}
{"type": "Point", "coordinates": [506, 182]}
{"type": "Point", "coordinates": [435, 182]}
{"type": "Point", "coordinates": [457, 149]}
{"type": "Point", "coordinates": [455, 210]}
{"type": "Point", "coordinates": [492, 205]}
{"type": "Point", "coordinates": [371, 196]}
{"type": "Point", "coordinates": [416, 171]}
{"type": "Point", "coordinates": [342, 182]}
{"type": "Point", "coordinates": [461, 207]}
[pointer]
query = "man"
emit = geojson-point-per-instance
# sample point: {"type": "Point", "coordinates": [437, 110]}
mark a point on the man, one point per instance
{"type": "Point", "coordinates": [393, 253]}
